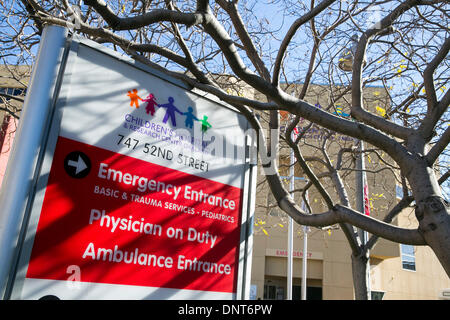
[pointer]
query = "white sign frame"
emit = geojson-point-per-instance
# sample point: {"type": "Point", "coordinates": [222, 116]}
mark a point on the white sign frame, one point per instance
{"type": "Point", "coordinates": [13, 283]}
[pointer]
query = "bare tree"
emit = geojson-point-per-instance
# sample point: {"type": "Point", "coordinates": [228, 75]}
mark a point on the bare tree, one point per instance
{"type": "Point", "coordinates": [402, 45]}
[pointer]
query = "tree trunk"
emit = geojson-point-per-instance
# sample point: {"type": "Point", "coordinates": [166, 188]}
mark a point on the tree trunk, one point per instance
{"type": "Point", "coordinates": [432, 212]}
{"type": "Point", "coordinates": [360, 271]}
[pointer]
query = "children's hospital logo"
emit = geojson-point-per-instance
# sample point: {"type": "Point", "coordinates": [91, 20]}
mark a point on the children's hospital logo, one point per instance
{"type": "Point", "coordinates": [179, 134]}
{"type": "Point", "coordinates": [163, 121]}
{"type": "Point", "coordinates": [170, 110]}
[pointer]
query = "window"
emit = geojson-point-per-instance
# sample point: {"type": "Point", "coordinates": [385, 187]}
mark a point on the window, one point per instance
{"type": "Point", "coordinates": [7, 91]}
{"type": "Point", "coordinates": [408, 257]}
{"type": "Point", "coordinates": [312, 293]}
{"type": "Point", "coordinates": [272, 292]}
{"type": "Point", "coordinates": [269, 292]}
{"type": "Point", "coordinates": [12, 91]}
{"type": "Point", "coordinates": [377, 295]}
{"type": "Point", "coordinates": [398, 191]}
{"type": "Point", "coordinates": [280, 293]}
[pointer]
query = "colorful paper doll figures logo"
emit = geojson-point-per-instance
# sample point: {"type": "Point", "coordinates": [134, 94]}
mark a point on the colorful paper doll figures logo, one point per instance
{"type": "Point", "coordinates": [171, 110]}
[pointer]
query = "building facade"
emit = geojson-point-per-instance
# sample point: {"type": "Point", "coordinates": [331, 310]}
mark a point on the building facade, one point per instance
{"type": "Point", "coordinates": [13, 82]}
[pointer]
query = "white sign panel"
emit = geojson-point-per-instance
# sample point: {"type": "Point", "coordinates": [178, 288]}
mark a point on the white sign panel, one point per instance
{"type": "Point", "coordinates": [141, 193]}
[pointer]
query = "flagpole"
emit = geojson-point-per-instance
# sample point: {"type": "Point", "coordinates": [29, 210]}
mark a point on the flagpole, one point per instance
{"type": "Point", "coordinates": [290, 260]}
{"type": "Point", "coordinates": [305, 255]}
{"type": "Point", "coordinates": [290, 226]}
{"type": "Point", "coordinates": [305, 262]}
{"type": "Point", "coordinates": [360, 203]}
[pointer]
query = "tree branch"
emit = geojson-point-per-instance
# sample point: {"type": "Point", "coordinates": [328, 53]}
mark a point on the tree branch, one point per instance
{"type": "Point", "coordinates": [405, 202]}
{"type": "Point", "coordinates": [433, 111]}
{"type": "Point", "coordinates": [357, 110]}
{"type": "Point", "coordinates": [427, 127]}
{"type": "Point", "coordinates": [157, 15]}
{"type": "Point", "coordinates": [306, 169]}
{"type": "Point", "coordinates": [290, 34]}
{"type": "Point", "coordinates": [191, 65]}
{"type": "Point", "coordinates": [295, 106]}
{"type": "Point", "coordinates": [439, 147]}
{"type": "Point", "coordinates": [338, 214]}
{"type": "Point", "coordinates": [8, 96]}
{"type": "Point", "coordinates": [248, 45]}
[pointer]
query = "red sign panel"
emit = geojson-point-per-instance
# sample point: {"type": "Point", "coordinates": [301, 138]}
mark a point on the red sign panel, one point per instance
{"type": "Point", "coordinates": [126, 221]}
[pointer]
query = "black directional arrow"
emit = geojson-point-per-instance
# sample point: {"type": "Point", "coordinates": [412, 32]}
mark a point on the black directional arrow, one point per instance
{"type": "Point", "coordinates": [77, 164]}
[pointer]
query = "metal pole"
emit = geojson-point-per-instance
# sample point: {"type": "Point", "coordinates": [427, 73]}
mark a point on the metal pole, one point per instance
{"type": "Point", "coordinates": [305, 256]}
{"type": "Point", "coordinates": [305, 261]}
{"type": "Point", "coordinates": [290, 229]}
{"type": "Point", "coordinates": [290, 260]}
{"type": "Point", "coordinates": [360, 202]}
{"type": "Point", "coordinates": [20, 172]}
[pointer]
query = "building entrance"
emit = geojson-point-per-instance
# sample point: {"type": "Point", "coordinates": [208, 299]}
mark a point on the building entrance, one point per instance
{"type": "Point", "coordinates": [275, 288]}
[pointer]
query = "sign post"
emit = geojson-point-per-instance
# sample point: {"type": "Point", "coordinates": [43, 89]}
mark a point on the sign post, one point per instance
{"type": "Point", "coordinates": [143, 192]}
{"type": "Point", "coordinates": [20, 174]}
